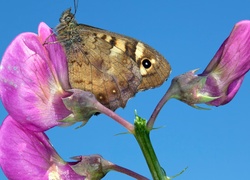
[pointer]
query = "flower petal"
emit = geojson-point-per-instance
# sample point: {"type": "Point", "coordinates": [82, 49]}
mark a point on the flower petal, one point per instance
{"type": "Point", "coordinates": [227, 69]}
{"type": "Point", "coordinates": [234, 54]}
{"type": "Point", "coordinates": [56, 54]}
{"type": "Point", "coordinates": [29, 155]}
{"type": "Point", "coordinates": [29, 86]}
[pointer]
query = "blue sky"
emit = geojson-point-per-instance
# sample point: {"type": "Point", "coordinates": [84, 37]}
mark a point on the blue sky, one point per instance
{"type": "Point", "coordinates": [214, 144]}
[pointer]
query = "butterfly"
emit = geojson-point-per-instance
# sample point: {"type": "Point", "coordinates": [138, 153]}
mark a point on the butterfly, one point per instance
{"type": "Point", "coordinates": [113, 67]}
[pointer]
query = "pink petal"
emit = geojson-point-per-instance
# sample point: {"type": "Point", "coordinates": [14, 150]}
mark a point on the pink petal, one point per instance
{"type": "Point", "coordinates": [25, 154]}
{"type": "Point", "coordinates": [227, 69]}
{"type": "Point", "coordinates": [29, 85]}
{"type": "Point", "coordinates": [56, 53]}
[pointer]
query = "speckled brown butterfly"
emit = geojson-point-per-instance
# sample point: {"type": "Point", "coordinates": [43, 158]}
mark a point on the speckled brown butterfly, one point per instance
{"type": "Point", "coordinates": [111, 66]}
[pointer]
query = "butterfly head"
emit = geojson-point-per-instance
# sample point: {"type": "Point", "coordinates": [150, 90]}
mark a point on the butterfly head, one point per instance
{"type": "Point", "coordinates": [67, 21]}
{"type": "Point", "coordinates": [67, 26]}
{"type": "Point", "coordinates": [67, 17]}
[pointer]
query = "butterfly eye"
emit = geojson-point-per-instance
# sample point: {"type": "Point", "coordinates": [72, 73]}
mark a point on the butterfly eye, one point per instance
{"type": "Point", "coordinates": [68, 19]}
{"type": "Point", "coordinates": [146, 63]}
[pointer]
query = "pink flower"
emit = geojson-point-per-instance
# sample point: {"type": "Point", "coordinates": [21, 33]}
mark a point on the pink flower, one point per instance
{"type": "Point", "coordinates": [227, 69]}
{"type": "Point", "coordinates": [33, 80]}
{"type": "Point", "coordinates": [222, 78]}
{"type": "Point", "coordinates": [25, 154]}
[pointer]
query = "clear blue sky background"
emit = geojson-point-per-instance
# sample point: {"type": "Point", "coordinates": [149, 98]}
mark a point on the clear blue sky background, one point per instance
{"type": "Point", "coordinates": [214, 144]}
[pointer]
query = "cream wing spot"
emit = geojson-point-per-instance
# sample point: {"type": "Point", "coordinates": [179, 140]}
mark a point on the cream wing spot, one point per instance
{"type": "Point", "coordinates": [100, 97]}
{"type": "Point", "coordinates": [152, 61]}
{"type": "Point", "coordinates": [108, 38]}
{"type": "Point", "coordinates": [121, 44]}
{"type": "Point", "coordinates": [115, 51]}
{"type": "Point", "coordinates": [114, 91]}
{"type": "Point", "coordinates": [100, 35]}
{"type": "Point", "coordinates": [139, 50]}
{"type": "Point", "coordinates": [143, 71]}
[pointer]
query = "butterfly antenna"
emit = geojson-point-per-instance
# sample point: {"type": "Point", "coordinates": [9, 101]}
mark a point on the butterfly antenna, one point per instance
{"type": "Point", "coordinates": [75, 5]}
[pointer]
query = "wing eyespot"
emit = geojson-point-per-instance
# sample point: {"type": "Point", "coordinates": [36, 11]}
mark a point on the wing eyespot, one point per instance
{"type": "Point", "coordinates": [146, 63]}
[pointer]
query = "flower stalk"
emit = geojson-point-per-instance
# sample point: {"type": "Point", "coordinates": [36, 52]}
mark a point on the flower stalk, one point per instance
{"type": "Point", "coordinates": [141, 134]}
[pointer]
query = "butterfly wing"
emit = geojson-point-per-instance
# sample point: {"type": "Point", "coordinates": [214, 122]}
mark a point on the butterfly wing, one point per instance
{"type": "Point", "coordinates": [95, 64]}
{"type": "Point", "coordinates": [111, 66]}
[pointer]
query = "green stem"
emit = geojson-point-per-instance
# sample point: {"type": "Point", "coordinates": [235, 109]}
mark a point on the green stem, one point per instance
{"type": "Point", "coordinates": [141, 134]}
